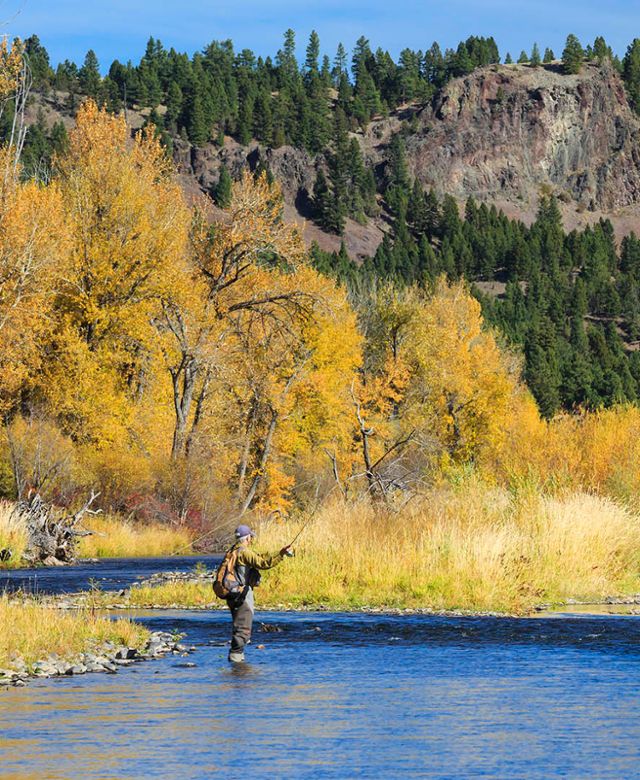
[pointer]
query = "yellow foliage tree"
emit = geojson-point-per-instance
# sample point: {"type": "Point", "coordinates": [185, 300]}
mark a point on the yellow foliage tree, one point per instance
{"type": "Point", "coordinates": [437, 389]}
{"type": "Point", "coordinates": [247, 342]}
{"type": "Point", "coordinates": [128, 226]}
{"type": "Point", "coordinates": [32, 241]}
{"type": "Point", "coordinates": [463, 385]}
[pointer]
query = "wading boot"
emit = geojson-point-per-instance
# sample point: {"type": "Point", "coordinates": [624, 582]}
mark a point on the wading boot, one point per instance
{"type": "Point", "coordinates": [236, 657]}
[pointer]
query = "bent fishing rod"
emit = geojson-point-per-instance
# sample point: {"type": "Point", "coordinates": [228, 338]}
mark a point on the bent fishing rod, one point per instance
{"type": "Point", "coordinates": [305, 525]}
{"type": "Point", "coordinates": [233, 520]}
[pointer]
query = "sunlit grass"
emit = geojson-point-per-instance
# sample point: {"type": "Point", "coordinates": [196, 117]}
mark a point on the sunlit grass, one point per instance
{"type": "Point", "coordinates": [181, 593]}
{"type": "Point", "coordinates": [32, 631]}
{"type": "Point", "coordinates": [113, 537]}
{"type": "Point", "coordinates": [470, 548]}
{"type": "Point", "coordinates": [13, 536]}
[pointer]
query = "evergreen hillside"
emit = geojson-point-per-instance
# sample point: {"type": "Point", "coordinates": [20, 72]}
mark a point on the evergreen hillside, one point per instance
{"type": "Point", "coordinates": [569, 300]}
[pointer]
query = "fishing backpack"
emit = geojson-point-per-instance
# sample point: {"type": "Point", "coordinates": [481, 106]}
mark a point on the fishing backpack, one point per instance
{"type": "Point", "coordinates": [226, 581]}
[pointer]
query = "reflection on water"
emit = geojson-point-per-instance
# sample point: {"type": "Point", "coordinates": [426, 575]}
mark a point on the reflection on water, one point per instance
{"type": "Point", "coordinates": [340, 696]}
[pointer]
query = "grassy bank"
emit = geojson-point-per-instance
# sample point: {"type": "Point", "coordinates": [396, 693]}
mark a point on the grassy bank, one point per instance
{"type": "Point", "coordinates": [116, 538]}
{"type": "Point", "coordinates": [38, 631]}
{"type": "Point", "coordinates": [472, 548]}
{"type": "Point", "coordinates": [112, 537]}
{"type": "Point", "coordinates": [13, 536]}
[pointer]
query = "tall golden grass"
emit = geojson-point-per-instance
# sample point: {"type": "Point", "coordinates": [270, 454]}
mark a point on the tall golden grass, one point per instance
{"type": "Point", "coordinates": [32, 631]}
{"type": "Point", "coordinates": [472, 548]}
{"type": "Point", "coordinates": [13, 536]}
{"type": "Point", "coordinates": [116, 538]}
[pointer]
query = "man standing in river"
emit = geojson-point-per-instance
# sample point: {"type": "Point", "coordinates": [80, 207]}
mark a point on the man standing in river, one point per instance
{"type": "Point", "coordinates": [247, 571]}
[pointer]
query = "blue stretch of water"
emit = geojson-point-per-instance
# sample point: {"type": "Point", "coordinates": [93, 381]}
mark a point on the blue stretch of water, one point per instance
{"type": "Point", "coordinates": [107, 574]}
{"type": "Point", "coordinates": [342, 696]}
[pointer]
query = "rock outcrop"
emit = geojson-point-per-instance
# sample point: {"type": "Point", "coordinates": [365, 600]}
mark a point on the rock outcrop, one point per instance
{"type": "Point", "coordinates": [505, 132]}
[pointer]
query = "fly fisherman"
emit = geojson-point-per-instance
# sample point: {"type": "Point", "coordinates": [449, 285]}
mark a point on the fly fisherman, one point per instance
{"type": "Point", "coordinates": [248, 565]}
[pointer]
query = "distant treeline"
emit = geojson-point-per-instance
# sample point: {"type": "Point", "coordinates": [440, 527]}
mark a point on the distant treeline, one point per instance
{"type": "Point", "coordinates": [570, 301]}
{"type": "Point", "coordinates": [276, 100]}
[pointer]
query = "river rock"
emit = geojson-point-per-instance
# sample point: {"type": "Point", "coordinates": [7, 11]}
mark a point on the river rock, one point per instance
{"type": "Point", "coordinates": [107, 658]}
{"type": "Point", "coordinates": [44, 669]}
{"type": "Point", "coordinates": [127, 653]}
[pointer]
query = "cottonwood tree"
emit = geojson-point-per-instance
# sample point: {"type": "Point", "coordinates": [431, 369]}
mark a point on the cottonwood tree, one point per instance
{"type": "Point", "coordinates": [127, 230]}
{"type": "Point", "coordinates": [15, 84]}
{"type": "Point", "coordinates": [436, 389]}
{"type": "Point", "coordinates": [31, 231]}
{"type": "Point", "coordinates": [32, 242]}
{"type": "Point", "coordinates": [244, 335]}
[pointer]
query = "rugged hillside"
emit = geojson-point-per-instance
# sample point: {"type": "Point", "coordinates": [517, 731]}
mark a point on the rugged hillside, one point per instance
{"type": "Point", "coordinates": [504, 134]}
{"type": "Point", "coordinates": [505, 131]}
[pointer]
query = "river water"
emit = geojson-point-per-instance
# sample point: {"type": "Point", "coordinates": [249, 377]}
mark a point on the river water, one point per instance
{"type": "Point", "coordinates": [343, 696]}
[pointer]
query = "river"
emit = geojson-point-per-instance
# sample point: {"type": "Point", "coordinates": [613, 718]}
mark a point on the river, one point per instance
{"type": "Point", "coordinates": [340, 696]}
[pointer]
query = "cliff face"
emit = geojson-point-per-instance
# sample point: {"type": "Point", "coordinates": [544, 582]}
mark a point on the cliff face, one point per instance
{"type": "Point", "coordinates": [503, 134]}
{"type": "Point", "coordinates": [505, 131]}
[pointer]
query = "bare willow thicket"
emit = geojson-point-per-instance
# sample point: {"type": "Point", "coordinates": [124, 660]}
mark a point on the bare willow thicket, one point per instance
{"type": "Point", "coordinates": [198, 369]}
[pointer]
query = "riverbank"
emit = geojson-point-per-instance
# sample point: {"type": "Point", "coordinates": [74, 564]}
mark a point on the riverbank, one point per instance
{"type": "Point", "coordinates": [45, 642]}
{"type": "Point", "coordinates": [111, 537]}
{"type": "Point", "coordinates": [483, 551]}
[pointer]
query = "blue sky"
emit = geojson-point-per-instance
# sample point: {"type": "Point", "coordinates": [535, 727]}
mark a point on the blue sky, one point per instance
{"type": "Point", "coordinates": [120, 28]}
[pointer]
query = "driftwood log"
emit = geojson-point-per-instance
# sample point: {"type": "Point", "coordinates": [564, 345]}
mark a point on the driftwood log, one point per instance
{"type": "Point", "coordinates": [52, 533]}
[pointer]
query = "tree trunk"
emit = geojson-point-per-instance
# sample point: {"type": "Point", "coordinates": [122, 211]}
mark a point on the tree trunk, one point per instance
{"type": "Point", "coordinates": [197, 415]}
{"type": "Point", "coordinates": [266, 451]}
{"type": "Point", "coordinates": [184, 380]}
{"type": "Point", "coordinates": [246, 451]}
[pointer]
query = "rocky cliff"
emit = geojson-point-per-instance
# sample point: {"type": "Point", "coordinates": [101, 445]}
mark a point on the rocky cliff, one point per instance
{"type": "Point", "coordinates": [507, 131]}
{"type": "Point", "coordinates": [503, 134]}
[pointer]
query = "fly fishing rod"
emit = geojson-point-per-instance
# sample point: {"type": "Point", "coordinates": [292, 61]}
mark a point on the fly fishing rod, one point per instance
{"type": "Point", "coordinates": [305, 525]}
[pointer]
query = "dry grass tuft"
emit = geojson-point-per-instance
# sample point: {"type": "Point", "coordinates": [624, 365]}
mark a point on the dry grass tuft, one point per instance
{"type": "Point", "coordinates": [38, 631]}
{"type": "Point", "coordinates": [13, 536]}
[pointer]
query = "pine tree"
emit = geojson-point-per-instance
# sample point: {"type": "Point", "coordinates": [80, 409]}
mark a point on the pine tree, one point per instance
{"type": "Point", "coordinates": [325, 72]}
{"type": "Point", "coordinates": [417, 209]}
{"type": "Point", "coordinates": [222, 193]}
{"type": "Point", "coordinates": [631, 74]}
{"type": "Point", "coordinates": [601, 51]}
{"type": "Point", "coordinates": [549, 56]}
{"type": "Point", "coordinates": [286, 60]}
{"type": "Point", "coordinates": [339, 65]}
{"type": "Point", "coordinates": [89, 75]}
{"type": "Point", "coordinates": [542, 371]}
{"type": "Point", "coordinates": [195, 120]}
{"type": "Point", "coordinates": [508, 60]}
{"type": "Point", "coordinates": [523, 58]}
{"type": "Point", "coordinates": [535, 56]}
{"type": "Point", "coordinates": [321, 201]}
{"type": "Point", "coordinates": [572, 56]}
{"type": "Point", "coordinates": [174, 106]}
{"type": "Point", "coordinates": [433, 66]}
{"type": "Point", "coordinates": [313, 55]}
{"type": "Point", "coordinates": [38, 59]}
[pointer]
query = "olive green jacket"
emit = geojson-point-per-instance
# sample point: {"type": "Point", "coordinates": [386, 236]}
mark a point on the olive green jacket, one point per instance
{"type": "Point", "coordinates": [250, 559]}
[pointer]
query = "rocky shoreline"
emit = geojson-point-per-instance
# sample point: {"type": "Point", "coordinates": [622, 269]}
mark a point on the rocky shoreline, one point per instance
{"type": "Point", "coordinates": [108, 658]}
